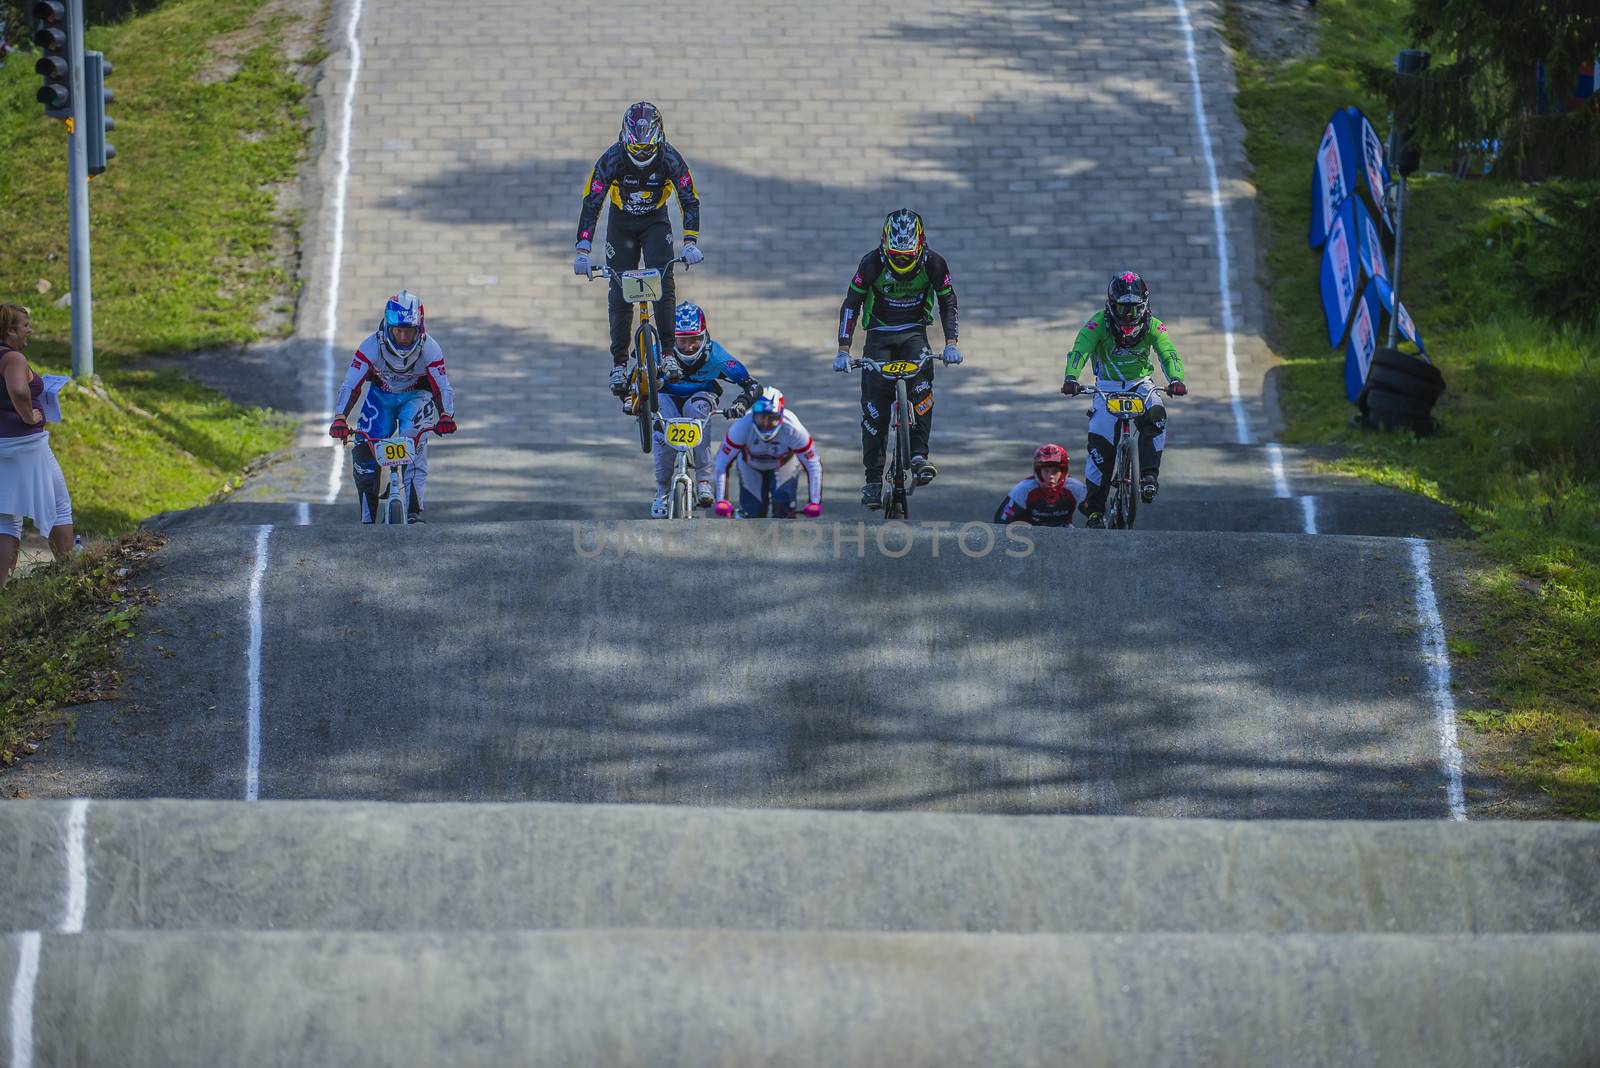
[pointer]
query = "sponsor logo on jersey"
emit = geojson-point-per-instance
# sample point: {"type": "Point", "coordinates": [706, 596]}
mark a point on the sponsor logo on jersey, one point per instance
{"type": "Point", "coordinates": [924, 406]}
{"type": "Point", "coordinates": [598, 186]}
{"type": "Point", "coordinates": [686, 181]}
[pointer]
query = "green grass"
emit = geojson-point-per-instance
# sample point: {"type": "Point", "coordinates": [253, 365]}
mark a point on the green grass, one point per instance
{"type": "Point", "coordinates": [1518, 448]}
{"type": "Point", "coordinates": [63, 623]}
{"type": "Point", "coordinates": [183, 230]}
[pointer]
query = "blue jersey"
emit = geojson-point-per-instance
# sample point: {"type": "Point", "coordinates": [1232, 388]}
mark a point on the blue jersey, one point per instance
{"type": "Point", "coordinates": [720, 364]}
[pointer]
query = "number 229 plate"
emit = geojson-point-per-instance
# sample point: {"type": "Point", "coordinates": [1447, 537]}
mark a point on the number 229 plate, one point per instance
{"type": "Point", "coordinates": [683, 433]}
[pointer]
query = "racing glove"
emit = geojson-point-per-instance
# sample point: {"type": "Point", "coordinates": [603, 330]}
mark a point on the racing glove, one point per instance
{"type": "Point", "coordinates": [691, 253]}
{"type": "Point", "coordinates": [725, 509]}
{"type": "Point", "coordinates": [1071, 387]}
{"type": "Point", "coordinates": [813, 509]}
{"type": "Point", "coordinates": [841, 362]}
{"type": "Point", "coordinates": [1177, 388]}
{"type": "Point", "coordinates": [952, 355]}
{"type": "Point", "coordinates": [340, 430]}
{"type": "Point", "coordinates": [445, 425]}
{"type": "Point", "coordinates": [580, 262]}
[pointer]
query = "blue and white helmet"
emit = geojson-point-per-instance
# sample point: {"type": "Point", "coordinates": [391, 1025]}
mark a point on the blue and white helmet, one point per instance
{"type": "Point", "coordinates": [401, 333]}
{"type": "Point", "coordinates": [689, 328]}
{"type": "Point", "coordinates": [768, 409]}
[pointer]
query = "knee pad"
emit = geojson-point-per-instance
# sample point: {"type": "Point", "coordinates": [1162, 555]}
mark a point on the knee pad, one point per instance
{"type": "Point", "coordinates": [1154, 420]}
{"type": "Point", "coordinates": [365, 467]}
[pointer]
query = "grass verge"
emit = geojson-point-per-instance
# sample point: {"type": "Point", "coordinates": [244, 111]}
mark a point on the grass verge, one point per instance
{"type": "Point", "coordinates": [1518, 450]}
{"type": "Point", "coordinates": [210, 121]}
{"type": "Point", "coordinates": [63, 625]}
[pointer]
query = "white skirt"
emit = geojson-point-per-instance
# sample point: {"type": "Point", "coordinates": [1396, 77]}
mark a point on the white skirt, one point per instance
{"type": "Point", "coordinates": [31, 485]}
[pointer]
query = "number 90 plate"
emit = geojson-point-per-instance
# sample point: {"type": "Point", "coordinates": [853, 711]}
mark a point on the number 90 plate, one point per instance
{"type": "Point", "coordinates": [392, 451]}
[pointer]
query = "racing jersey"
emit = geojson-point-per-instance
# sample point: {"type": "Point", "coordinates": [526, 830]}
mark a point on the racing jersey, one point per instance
{"type": "Point", "coordinates": [427, 373]}
{"type": "Point", "coordinates": [1097, 342]}
{"type": "Point", "coordinates": [792, 440]}
{"type": "Point", "coordinates": [718, 364]}
{"type": "Point", "coordinates": [1028, 503]}
{"type": "Point", "coordinates": [889, 301]}
{"type": "Point", "coordinates": [639, 191]}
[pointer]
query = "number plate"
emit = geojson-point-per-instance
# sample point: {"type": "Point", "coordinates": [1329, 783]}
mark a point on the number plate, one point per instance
{"type": "Point", "coordinates": [683, 433]}
{"type": "Point", "coordinates": [392, 451]}
{"type": "Point", "coordinates": [640, 287]}
{"type": "Point", "coordinates": [900, 367]}
{"type": "Point", "coordinates": [1125, 405]}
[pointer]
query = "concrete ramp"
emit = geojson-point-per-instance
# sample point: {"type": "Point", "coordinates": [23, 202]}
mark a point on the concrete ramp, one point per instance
{"type": "Point", "coordinates": [326, 866]}
{"type": "Point", "coordinates": [815, 665]}
{"type": "Point", "coordinates": [700, 998]}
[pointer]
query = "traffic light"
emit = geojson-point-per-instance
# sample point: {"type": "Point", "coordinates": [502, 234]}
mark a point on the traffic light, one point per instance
{"type": "Point", "coordinates": [50, 34]}
{"type": "Point", "coordinates": [95, 120]}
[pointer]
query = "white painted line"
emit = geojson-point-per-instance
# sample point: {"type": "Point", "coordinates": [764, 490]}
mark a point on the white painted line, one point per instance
{"type": "Point", "coordinates": [252, 774]}
{"type": "Point", "coordinates": [22, 999]}
{"type": "Point", "coordinates": [1437, 657]}
{"type": "Point", "coordinates": [77, 868]}
{"type": "Point", "coordinates": [1223, 282]}
{"type": "Point", "coordinates": [1308, 513]}
{"type": "Point", "coordinates": [341, 184]}
{"type": "Point", "coordinates": [302, 514]}
{"type": "Point", "coordinates": [1280, 484]}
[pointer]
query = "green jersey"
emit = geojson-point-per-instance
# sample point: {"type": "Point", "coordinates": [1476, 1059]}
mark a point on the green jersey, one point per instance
{"type": "Point", "coordinates": [1097, 342]}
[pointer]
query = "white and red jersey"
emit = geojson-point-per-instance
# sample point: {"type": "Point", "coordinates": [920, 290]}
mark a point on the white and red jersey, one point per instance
{"type": "Point", "coordinates": [1029, 503]}
{"type": "Point", "coordinates": [791, 443]}
{"type": "Point", "coordinates": [427, 373]}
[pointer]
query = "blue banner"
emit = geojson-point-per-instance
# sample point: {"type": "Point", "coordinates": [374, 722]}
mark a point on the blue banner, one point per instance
{"type": "Point", "coordinates": [1408, 328]}
{"type": "Point", "coordinates": [1339, 277]}
{"type": "Point", "coordinates": [1332, 175]}
{"type": "Point", "coordinates": [1369, 243]}
{"type": "Point", "coordinates": [1364, 326]}
{"type": "Point", "coordinates": [1374, 172]}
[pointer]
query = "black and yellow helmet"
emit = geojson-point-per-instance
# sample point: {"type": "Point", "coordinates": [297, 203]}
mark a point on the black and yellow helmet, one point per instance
{"type": "Point", "coordinates": [642, 133]}
{"type": "Point", "coordinates": [903, 245]}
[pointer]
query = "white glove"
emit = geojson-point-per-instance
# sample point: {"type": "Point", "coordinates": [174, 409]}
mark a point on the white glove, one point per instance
{"type": "Point", "coordinates": [841, 362]}
{"type": "Point", "coordinates": [952, 354]}
{"type": "Point", "coordinates": [671, 369]}
{"type": "Point", "coordinates": [692, 254]}
{"type": "Point", "coordinates": [580, 262]}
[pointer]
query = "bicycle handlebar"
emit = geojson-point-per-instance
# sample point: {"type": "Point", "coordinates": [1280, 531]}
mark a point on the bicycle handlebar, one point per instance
{"type": "Point", "coordinates": [858, 362]}
{"type": "Point", "coordinates": [356, 432]}
{"type": "Point", "coordinates": [602, 271]}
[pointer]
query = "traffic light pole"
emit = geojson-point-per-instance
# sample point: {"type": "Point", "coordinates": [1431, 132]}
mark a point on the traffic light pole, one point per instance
{"type": "Point", "coordinates": [78, 201]}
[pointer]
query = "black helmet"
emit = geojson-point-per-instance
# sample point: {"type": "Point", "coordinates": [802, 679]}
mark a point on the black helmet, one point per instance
{"type": "Point", "coordinates": [903, 245]}
{"type": "Point", "coordinates": [1128, 308]}
{"type": "Point", "coordinates": [642, 132]}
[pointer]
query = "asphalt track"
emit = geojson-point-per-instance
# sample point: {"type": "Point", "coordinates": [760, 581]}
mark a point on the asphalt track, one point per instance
{"type": "Point", "coordinates": [1251, 655]}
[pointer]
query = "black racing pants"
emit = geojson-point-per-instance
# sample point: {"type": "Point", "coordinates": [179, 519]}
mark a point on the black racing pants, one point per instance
{"type": "Point", "coordinates": [1103, 452]}
{"type": "Point", "coordinates": [877, 395]}
{"type": "Point", "coordinates": [628, 239]}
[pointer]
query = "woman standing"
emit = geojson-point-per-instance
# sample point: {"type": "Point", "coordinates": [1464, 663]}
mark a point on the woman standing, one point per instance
{"type": "Point", "coordinates": [31, 483]}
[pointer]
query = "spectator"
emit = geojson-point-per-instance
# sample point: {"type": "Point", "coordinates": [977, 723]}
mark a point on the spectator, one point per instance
{"type": "Point", "coordinates": [31, 484]}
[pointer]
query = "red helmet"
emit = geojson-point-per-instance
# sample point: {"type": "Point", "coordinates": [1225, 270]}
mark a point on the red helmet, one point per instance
{"type": "Point", "coordinates": [1051, 456]}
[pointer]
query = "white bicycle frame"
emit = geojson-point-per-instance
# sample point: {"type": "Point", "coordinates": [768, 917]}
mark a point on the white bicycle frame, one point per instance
{"type": "Point", "coordinates": [690, 432]}
{"type": "Point", "coordinates": [395, 454]}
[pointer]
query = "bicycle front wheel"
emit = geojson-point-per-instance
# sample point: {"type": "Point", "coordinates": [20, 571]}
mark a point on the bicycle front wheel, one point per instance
{"type": "Point", "coordinates": [680, 501]}
{"type": "Point", "coordinates": [902, 434]}
{"type": "Point", "coordinates": [646, 352]}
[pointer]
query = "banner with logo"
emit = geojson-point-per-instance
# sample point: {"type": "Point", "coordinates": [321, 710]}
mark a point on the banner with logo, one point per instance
{"type": "Point", "coordinates": [1369, 243]}
{"type": "Point", "coordinates": [1364, 327]}
{"type": "Point", "coordinates": [1340, 278]}
{"type": "Point", "coordinates": [1408, 328]}
{"type": "Point", "coordinates": [1331, 175]}
{"type": "Point", "coordinates": [1374, 170]}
